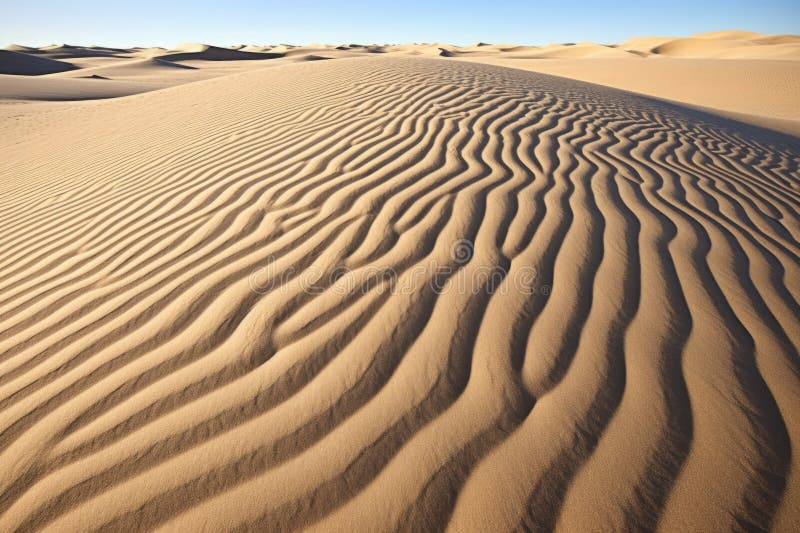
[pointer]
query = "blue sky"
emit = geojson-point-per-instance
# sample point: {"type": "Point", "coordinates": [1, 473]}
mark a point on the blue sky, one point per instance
{"type": "Point", "coordinates": [147, 22]}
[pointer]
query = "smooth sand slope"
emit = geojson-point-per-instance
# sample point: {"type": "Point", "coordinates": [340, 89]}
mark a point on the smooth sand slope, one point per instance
{"type": "Point", "coordinates": [91, 87]}
{"type": "Point", "coordinates": [397, 293]}
{"type": "Point", "coordinates": [18, 63]}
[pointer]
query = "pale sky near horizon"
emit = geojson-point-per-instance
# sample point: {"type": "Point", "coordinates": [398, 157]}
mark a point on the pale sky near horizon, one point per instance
{"type": "Point", "coordinates": [151, 23]}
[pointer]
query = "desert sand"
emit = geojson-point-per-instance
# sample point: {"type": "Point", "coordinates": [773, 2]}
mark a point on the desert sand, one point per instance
{"type": "Point", "coordinates": [401, 287]}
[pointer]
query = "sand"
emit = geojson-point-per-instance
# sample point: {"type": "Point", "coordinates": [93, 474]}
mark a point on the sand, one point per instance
{"type": "Point", "coordinates": [757, 91]}
{"type": "Point", "coordinates": [395, 290]}
{"type": "Point", "coordinates": [12, 62]}
{"type": "Point", "coordinates": [747, 76]}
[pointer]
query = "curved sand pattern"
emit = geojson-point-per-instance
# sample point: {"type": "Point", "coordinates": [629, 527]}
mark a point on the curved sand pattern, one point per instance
{"type": "Point", "coordinates": [648, 377]}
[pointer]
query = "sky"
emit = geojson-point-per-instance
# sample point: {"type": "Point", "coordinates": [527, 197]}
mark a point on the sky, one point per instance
{"type": "Point", "coordinates": [221, 22]}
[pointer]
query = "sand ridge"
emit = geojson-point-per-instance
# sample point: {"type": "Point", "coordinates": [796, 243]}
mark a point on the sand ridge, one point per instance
{"type": "Point", "coordinates": [459, 296]}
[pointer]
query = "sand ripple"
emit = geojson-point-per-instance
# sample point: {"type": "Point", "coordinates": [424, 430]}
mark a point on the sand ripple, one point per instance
{"type": "Point", "coordinates": [382, 293]}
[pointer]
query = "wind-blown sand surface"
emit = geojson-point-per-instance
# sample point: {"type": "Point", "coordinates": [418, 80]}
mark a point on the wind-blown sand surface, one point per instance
{"type": "Point", "coordinates": [396, 293]}
{"type": "Point", "coordinates": [751, 77]}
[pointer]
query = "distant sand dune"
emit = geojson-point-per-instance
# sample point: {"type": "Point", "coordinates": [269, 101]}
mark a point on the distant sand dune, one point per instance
{"type": "Point", "coordinates": [16, 63]}
{"type": "Point", "coordinates": [67, 51]}
{"type": "Point", "coordinates": [77, 87]}
{"type": "Point", "coordinates": [591, 320]}
{"type": "Point", "coordinates": [21, 48]}
{"type": "Point", "coordinates": [760, 73]}
{"type": "Point", "coordinates": [577, 50]}
{"type": "Point", "coordinates": [213, 53]}
{"type": "Point", "coordinates": [728, 35]}
{"type": "Point", "coordinates": [128, 69]}
{"type": "Point", "coordinates": [777, 39]}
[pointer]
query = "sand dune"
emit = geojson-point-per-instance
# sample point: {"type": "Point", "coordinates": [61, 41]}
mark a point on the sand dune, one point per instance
{"type": "Point", "coordinates": [697, 47]}
{"type": "Point", "coordinates": [728, 35]}
{"type": "Point", "coordinates": [255, 48]}
{"type": "Point", "coordinates": [759, 72]}
{"type": "Point", "coordinates": [80, 87]}
{"type": "Point", "coordinates": [644, 45]}
{"type": "Point", "coordinates": [387, 293]}
{"type": "Point", "coordinates": [776, 39]}
{"type": "Point", "coordinates": [731, 45]}
{"type": "Point", "coordinates": [21, 48]}
{"type": "Point", "coordinates": [576, 50]}
{"type": "Point", "coordinates": [135, 68]}
{"type": "Point", "coordinates": [766, 95]}
{"type": "Point", "coordinates": [212, 53]}
{"type": "Point", "coordinates": [17, 63]}
{"type": "Point", "coordinates": [718, 45]}
{"type": "Point", "coordinates": [68, 51]}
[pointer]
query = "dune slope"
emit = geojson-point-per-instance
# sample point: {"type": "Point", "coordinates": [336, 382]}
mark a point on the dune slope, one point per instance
{"type": "Point", "coordinates": [213, 53]}
{"type": "Point", "coordinates": [397, 293]}
{"type": "Point", "coordinates": [763, 89]}
{"type": "Point", "coordinates": [25, 88]}
{"type": "Point", "coordinates": [17, 63]}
